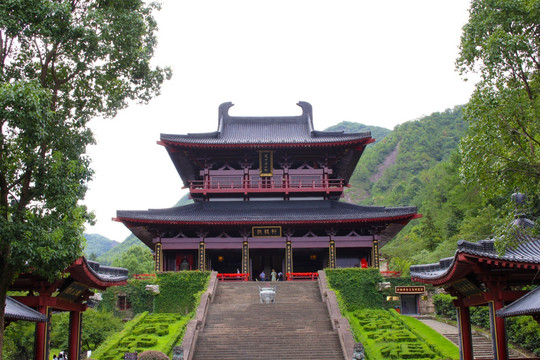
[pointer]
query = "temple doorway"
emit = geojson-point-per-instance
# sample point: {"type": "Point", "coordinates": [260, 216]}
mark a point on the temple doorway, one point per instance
{"type": "Point", "coordinates": [266, 260]}
{"type": "Point", "coordinates": [225, 261]}
{"type": "Point", "coordinates": [409, 304]}
{"type": "Point", "coordinates": [309, 260]}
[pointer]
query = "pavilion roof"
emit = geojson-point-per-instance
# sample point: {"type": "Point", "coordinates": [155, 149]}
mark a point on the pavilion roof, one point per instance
{"type": "Point", "coordinates": [527, 252]}
{"type": "Point", "coordinates": [14, 310]}
{"type": "Point", "coordinates": [87, 272]}
{"type": "Point", "coordinates": [265, 131]}
{"type": "Point", "coordinates": [529, 304]}
{"type": "Point", "coordinates": [279, 212]}
{"type": "Point", "coordinates": [95, 275]}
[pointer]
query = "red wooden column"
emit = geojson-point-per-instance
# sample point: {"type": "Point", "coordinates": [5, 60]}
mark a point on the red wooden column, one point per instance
{"type": "Point", "coordinates": [465, 333]}
{"type": "Point", "coordinates": [43, 332]}
{"type": "Point", "coordinates": [75, 326]}
{"type": "Point", "coordinates": [498, 331]}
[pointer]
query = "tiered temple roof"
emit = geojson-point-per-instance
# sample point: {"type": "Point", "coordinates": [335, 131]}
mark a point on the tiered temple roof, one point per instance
{"type": "Point", "coordinates": [221, 213]}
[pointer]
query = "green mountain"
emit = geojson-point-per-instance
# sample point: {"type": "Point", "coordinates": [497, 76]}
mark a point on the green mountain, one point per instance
{"type": "Point", "coordinates": [377, 132]}
{"type": "Point", "coordinates": [108, 257]}
{"type": "Point", "coordinates": [388, 170]}
{"type": "Point", "coordinates": [96, 245]}
{"type": "Point", "coordinates": [418, 164]}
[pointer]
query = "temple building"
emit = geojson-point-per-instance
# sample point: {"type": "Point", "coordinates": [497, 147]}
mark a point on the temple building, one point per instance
{"type": "Point", "coordinates": [266, 196]}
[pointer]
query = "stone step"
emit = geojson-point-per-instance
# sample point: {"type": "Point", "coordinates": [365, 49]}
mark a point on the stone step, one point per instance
{"type": "Point", "coordinates": [482, 347]}
{"type": "Point", "coordinates": [296, 326]}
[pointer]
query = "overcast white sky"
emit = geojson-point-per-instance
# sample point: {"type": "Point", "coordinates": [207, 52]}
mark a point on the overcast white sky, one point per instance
{"type": "Point", "coordinates": [373, 62]}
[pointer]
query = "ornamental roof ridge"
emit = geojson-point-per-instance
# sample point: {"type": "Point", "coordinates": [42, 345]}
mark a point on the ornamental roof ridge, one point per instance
{"type": "Point", "coordinates": [266, 130]}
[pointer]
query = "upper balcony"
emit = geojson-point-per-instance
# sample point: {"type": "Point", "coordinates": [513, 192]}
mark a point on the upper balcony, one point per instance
{"type": "Point", "coordinates": [261, 186]}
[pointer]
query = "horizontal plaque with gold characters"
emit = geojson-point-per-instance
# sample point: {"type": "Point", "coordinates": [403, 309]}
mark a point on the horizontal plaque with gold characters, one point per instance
{"type": "Point", "coordinates": [266, 231]}
{"type": "Point", "coordinates": [410, 289]}
{"type": "Point", "coordinates": [73, 291]}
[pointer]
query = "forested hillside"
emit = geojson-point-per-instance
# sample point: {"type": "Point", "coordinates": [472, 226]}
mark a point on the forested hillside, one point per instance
{"type": "Point", "coordinates": [108, 257]}
{"type": "Point", "coordinates": [96, 245]}
{"type": "Point", "coordinates": [418, 164]}
{"type": "Point", "coordinates": [377, 132]}
{"type": "Point", "coordinates": [388, 171]}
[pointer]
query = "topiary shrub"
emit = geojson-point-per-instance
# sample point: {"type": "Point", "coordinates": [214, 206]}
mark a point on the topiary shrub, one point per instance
{"type": "Point", "coordinates": [356, 287]}
{"type": "Point", "coordinates": [152, 355]}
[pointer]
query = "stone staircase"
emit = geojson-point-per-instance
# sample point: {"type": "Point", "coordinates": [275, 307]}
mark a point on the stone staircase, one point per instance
{"type": "Point", "coordinates": [296, 326]}
{"type": "Point", "coordinates": [482, 348]}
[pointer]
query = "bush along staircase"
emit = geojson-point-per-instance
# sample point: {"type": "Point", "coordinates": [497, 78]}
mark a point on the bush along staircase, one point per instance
{"type": "Point", "coordinates": [295, 326]}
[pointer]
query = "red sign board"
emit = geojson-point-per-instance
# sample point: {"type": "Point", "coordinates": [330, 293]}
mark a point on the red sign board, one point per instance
{"type": "Point", "coordinates": [410, 289]}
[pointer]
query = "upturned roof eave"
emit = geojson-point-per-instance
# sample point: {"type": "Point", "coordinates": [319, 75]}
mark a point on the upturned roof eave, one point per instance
{"type": "Point", "coordinates": [463, 259]}
{"type": "Point", "coordinates": [169, 144]}
{"type": "Point", "coordinates": [399, 218]}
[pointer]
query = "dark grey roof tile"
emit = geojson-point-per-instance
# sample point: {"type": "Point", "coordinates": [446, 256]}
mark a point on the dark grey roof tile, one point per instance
{"type": "Point", "coordinates": [15, 310]}
{"type": "Point", "coordinates": [529, 304]}
{"type": "Point", "coordinates": [235, 211]}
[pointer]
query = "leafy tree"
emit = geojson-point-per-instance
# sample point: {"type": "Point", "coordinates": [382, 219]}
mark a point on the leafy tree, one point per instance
{"type": "Point", "coordinates": [501, 43]}
{"type": "Point", "coordinates": [61, 63]}
{"type": "Point", "coordinates": [137, 259]}
{"type": "Point", "coordinates": [19, 344]}
{"type": "Point", "coordinates": [96, 327]}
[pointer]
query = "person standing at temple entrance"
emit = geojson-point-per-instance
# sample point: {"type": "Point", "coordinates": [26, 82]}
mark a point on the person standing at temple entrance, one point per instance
{"type": "Point", "coordinates": [273, 275]}
{"type": "Point", "coordinates": [262, 276]}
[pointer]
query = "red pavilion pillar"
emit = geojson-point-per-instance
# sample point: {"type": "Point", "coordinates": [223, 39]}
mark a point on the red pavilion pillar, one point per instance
{"type": "Point", "coordinates": [498, 331]}
{"type": "Point", "coordinates": [465, 333]}
{"type": "Point", "coordinates": [43, 332]}
{"type": "Point", "coordinates": [75, 326]}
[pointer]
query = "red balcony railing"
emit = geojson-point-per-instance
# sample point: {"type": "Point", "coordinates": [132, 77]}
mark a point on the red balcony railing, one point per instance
{"type": "Point", "coordinates": [270, 185]}
{"type": "Point", "coordinates": [233, 276]}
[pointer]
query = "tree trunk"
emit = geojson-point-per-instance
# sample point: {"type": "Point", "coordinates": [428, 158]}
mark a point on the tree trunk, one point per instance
{"type": "Point", "coordinates": [8, 275]}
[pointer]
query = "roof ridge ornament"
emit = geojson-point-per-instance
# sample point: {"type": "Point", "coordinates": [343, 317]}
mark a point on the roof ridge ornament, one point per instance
{"type": "Point", "coordinates": [223, 113]}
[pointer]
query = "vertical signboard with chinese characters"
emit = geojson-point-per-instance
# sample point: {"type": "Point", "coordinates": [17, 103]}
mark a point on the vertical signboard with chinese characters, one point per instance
{"type": "Point", "coordinates": [158, 256]}
{"type": "Point", "coordinates": [266, 163]}
{"type": "Point", "coordinates": [332, 254]}
{"type": "Point", "coordinates": [245, 257]}
{"type": "Point", "coordinates": [288, 257]}
{"type": "Point", "coordinates": [376, 254]}
{"type": "Point", "coordinates": [202, 256]}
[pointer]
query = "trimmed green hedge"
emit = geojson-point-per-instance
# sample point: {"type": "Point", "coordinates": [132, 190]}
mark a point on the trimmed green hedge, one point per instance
{"type": "Point", "coordinates": [180, 291]}
{"type": "Point", "coordinates": [387, 335]}
{"type": "Point", "coordinates": [356, 288]}
{"type": "Point", "coordinates": [146, 332]}
{"type": "Point", "coordinates": [141, 300]}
